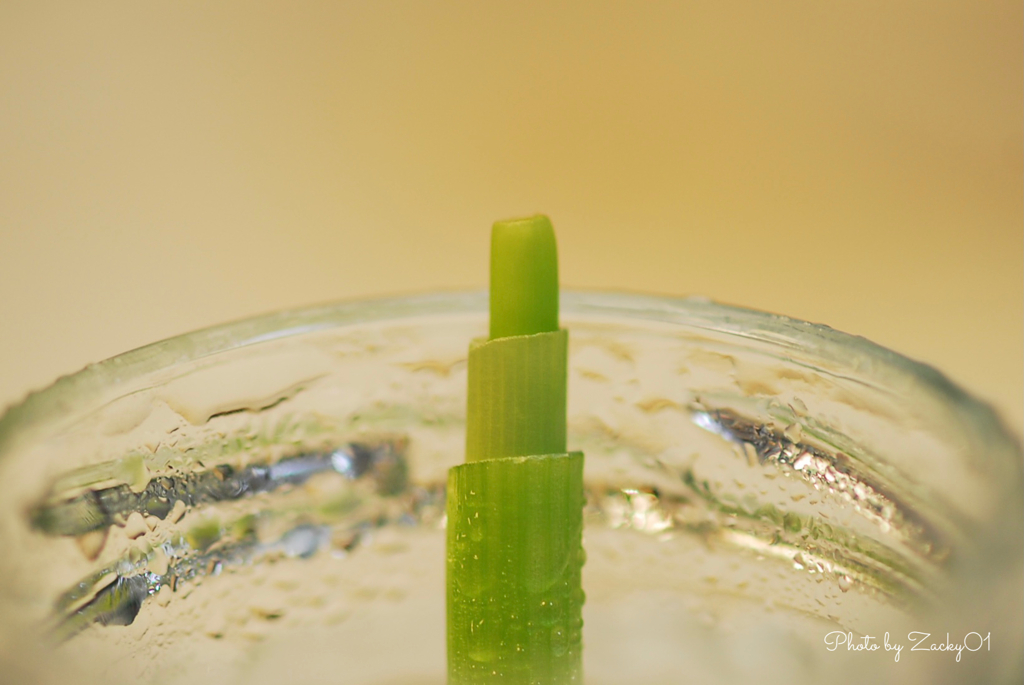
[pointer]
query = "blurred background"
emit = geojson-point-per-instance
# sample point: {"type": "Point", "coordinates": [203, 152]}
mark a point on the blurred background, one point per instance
{"type": "Point", "coordinates": [168, 166]}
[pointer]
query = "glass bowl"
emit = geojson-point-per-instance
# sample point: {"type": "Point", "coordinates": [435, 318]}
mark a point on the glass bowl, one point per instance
{"type": "Point", "coordinates": [263, 502]}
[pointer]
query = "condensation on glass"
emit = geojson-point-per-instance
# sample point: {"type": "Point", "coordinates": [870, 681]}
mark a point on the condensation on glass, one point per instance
{"type": "Point", "coordinates": [263, 502]}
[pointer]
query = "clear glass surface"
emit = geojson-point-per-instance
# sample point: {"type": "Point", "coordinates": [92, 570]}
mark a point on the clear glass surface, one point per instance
{"type": "Point", "coordinates": [263, 502]}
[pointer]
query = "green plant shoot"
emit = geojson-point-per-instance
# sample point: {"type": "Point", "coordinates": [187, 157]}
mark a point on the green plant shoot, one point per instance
{"type": "Point", "coordinates": [515, 508]}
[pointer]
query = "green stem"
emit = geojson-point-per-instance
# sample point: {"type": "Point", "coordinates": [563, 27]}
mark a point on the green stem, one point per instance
{"type": "Point", "coordinates": [514, 562]}
{"type": "Point", "coordinates": [524, 277]}
{"type": "Point", "coordinates": [515, 509]}
{"type": "Point", "coordinates": [516, 396]}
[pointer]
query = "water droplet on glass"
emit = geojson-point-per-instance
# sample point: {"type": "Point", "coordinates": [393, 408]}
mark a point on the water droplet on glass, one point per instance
{"type": "Point", "coordinates": [482, 647]}
{"type": "Point", "coordinates": [559, 641]}
{"type": "Point", "coordinates": [476, 527]}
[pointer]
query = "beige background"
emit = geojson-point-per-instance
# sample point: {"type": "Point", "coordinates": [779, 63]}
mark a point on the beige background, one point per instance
{"type": "Point", "coordinates": [167, 166]}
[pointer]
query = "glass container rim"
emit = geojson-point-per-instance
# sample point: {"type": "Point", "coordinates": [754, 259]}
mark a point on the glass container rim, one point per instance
{"type": "Point", "coordinates": [39, 408]}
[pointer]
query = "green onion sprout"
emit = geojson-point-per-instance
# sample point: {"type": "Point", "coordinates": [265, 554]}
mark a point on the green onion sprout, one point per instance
{"type": "Point", "coordinates": [515, 508]}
